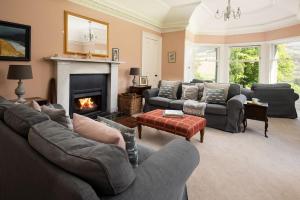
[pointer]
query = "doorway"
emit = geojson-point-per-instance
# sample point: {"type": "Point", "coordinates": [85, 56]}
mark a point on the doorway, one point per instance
{"type": "Point", "coordinates": [151, 58]}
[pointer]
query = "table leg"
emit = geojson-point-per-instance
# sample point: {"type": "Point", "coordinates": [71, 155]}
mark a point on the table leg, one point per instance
{"type": "Point", "coordinates": [140, 131]}
{"type": "Point", "coordinates": [245, 124]}
{"type": "Point", "coordinates": [187, 139]}
{"type": "Point", "coordinates": [202, 135]}
{"type": "Point", "coordinates": [266, 128]}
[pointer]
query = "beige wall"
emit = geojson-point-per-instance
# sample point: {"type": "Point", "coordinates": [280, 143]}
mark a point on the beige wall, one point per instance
{"type": "Point", "coordinates": [174, 41]}
{"type": "Point", "coordinates": [291, 31]}
{"type": "Point", "coordinates": [46, 20]}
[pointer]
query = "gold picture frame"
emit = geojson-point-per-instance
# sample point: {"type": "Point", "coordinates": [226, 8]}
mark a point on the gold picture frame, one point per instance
{"type": "Point", "coordinates": [85, 36]}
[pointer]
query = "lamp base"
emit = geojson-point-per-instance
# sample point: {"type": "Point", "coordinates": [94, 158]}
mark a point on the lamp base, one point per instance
{"type": "Point", "coordinates": [20, 91]}
{"type": "Point", "coordinates": [133, 81]}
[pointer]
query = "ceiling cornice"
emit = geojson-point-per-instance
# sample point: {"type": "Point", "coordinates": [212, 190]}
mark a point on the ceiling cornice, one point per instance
{"type": "Point", "coordinates": [120, 13]}
{"type": "Point", "coordinates": [132, 16]}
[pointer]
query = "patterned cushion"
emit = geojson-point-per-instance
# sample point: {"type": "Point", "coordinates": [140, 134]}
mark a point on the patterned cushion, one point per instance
{"type": "Point", "coordinates": [128, 135]}
{"type": "Point", "coordinates": [168, 89]}
{"type": "Point", "coordinates": [207, 86]}
{"type": "Point", "coordinates": [190, 92]}
{"type": "Point", "coordinates": [215, 96]}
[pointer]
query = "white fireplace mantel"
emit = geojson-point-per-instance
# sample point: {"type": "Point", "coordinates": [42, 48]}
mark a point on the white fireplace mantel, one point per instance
{"type": "Point", "coordinates": [66, 66]}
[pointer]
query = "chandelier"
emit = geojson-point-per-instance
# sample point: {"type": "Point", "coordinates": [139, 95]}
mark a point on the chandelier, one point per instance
{"type": "Point", "coordinates": [229, 13]}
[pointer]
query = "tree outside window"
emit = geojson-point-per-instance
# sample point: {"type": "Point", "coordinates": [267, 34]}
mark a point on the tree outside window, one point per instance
{"type": "Point", "coordinates": [244, 65]}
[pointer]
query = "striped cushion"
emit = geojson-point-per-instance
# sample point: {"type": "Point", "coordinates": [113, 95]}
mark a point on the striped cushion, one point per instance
{"type": "Point", "coordinates": [215, 96]}
{"type": "Point", "coordinates": [168, 89]}
{"type": "Point", "coordinates": [190, 92]}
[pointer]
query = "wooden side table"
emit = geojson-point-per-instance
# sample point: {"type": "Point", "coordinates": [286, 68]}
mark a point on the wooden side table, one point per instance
{"type": "Point", "coordinates": [256, 112]}
{"type": "Point", "coordinates": [39, 100]}
{"type": "Point", "coordinates": [139, 89]}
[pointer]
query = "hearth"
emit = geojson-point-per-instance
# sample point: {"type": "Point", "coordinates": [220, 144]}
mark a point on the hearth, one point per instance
{"type": "Point", "coordinates": [88, 94]}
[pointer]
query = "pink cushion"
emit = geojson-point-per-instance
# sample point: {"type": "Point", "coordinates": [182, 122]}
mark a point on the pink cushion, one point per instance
{"type": "Point", "coordinates": [97, 131]}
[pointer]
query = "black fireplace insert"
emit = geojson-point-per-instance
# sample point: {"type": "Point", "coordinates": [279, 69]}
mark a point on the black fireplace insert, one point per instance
{"type": "Point", "coordinates": [88, 95]}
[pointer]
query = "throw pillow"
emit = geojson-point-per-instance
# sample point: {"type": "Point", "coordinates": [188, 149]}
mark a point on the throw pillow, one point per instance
{"type": "Point", "coordinates": [33, 104]}
{"type": "Point", "coordinates": [128, 135]}
{"type": "Point", "coordinates": [224, 86]}
{"type": "Point", "coordinates": [58, 115]}
{"type": "Point", "coordinates": [168, 89]}
{"type": "Point", "coordinates": [97, 131]}
{"type": "Point", "coordinates": [190, 92]}
{"type": "Point", "coordinates": [215, 96]}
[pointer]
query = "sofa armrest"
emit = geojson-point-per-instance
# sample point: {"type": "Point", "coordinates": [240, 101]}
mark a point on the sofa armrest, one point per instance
{"type": "Point", "coordinates": [296, 96]}
{"type": "Point", "coordinates": [248, 93]}
{"type": "Point", "coordinates": [164, 174]}
{"type": "Point", "coordinates": [153, 92]}
{"type": "Point", "coordinates": [235, 113]}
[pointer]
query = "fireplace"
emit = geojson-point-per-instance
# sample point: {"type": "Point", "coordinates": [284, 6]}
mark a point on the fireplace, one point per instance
{"type": "Point", "coordinates": [88, 94]}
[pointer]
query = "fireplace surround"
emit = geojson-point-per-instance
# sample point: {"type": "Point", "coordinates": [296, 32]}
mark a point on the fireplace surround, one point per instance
{"type": "Point", "coordinates": [65, 68]}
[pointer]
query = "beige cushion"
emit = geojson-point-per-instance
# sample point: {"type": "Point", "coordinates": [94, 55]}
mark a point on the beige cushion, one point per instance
{"type": "Point", "coordinates": [97, 131]}
{"type": "Point", "coordinates": [33, 104]}
{"type": "Point", "coordinates": [190, 92]}
{"type": "Point", "coordinates": [224, 86]}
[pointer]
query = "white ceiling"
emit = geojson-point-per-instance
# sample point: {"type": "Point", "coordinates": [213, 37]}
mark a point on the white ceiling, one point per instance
{"type": "Point", "coordinates": [198, 16]}
{"type": "Point", "coordinates": [257, 16]}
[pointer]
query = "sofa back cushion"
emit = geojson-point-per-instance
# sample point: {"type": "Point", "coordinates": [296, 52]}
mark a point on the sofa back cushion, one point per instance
{"type": "Point", "coordinates": [270, 86]}
{"type": "Point", "coordinates": [169, 89]}
{"type": "Point", "coordinates": [21, 118]}
{"type": "Point", "coordinates": [234, 89]}
{"type": "Point", "coordinates": [105, 167]}
{"type": "Point", "coordinates": [4, 104]}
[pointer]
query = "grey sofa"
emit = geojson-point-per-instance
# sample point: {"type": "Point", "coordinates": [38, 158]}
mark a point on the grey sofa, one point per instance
{"type": "Point", "coordinates": [280, 97]}
{"type": "Point", "coordinates": [224, 117]}
{"type": "Point", "coordinates": [26, 174]}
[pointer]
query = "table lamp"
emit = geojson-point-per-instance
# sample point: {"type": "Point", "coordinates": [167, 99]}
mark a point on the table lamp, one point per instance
{"type": "Point", "coordinates": [19, 72]}
{"type": "Point", "coordinates": [134, 71]}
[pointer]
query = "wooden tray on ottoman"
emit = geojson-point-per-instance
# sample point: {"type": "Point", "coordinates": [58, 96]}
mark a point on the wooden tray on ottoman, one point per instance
{"type": "Point", "coordinates": [187, 126]}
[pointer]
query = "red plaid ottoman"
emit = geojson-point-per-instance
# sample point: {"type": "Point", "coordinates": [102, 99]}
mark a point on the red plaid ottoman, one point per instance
{"type": "Point", "coordinates": [187, 126]}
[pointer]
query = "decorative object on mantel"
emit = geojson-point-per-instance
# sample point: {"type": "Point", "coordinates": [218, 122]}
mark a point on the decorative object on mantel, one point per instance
{"type": "Point", "coordinates": [14, 41]}
{"type": "Point", "coordinates": [134, 71]}
{"type": "Point", "coordinates": [19, 72]}
{"type": "Point", "coordinates": [229, 13]}
{"type": "Point", "coordinates": [143, 81]}
{"type": "Point", "coordinates": [172, 57]}
{"type": "Point", "coordinates": [115, 54]}
{"type": "Point", "coordinates": [85, 36]}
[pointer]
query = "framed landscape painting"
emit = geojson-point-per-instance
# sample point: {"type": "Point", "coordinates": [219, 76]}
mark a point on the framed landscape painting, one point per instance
{"type": "Point", "coordinates": [14, 41]}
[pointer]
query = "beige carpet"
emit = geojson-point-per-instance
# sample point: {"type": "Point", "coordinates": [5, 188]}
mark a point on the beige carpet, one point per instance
{"type": "Point", "coordinates": [243, 166]}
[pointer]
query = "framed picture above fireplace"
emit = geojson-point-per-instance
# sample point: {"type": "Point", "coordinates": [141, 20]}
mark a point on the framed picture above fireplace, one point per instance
{"type": "Point", "coordinates": [14, 41]}
{"type": "Point", "coordinates": [85, 36]}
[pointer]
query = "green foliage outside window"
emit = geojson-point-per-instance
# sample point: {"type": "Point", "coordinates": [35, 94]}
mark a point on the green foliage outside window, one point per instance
{"type": "Point", "coordinates": [244, 66]}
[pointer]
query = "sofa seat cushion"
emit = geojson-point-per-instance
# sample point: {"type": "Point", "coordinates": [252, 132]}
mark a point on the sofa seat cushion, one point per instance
{"type": "Point", "coordinates": [160, 101]}
{"type": "Point", "coordinates": [105, 167]}
{"type": "Point", "coordinates": [177, 104]}
{"type": "Point", "coordinates": [216, 109]}
{"type": "Point", "coordinates": [21, 118]}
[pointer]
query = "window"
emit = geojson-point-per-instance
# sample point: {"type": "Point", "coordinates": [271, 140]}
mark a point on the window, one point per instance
{"type": "Point", "coordinates": [287, 64]}
{"type": "Point", "coordinates": [205, 63]}
{"type": "Point", "coordinates": [244, 65]}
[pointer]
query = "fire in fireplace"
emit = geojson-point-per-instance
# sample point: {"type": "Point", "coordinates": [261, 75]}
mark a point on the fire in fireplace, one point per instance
{"type": "Point", "coordinates": [88, 94]}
